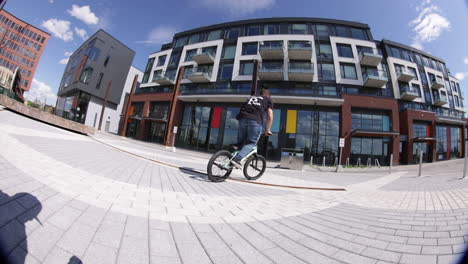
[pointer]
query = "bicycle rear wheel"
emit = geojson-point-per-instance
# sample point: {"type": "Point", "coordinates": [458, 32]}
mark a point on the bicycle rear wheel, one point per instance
{"type": "Point", "coordinates": [254, 167]}
{"type": "Point", "coordinates": [219, 167]}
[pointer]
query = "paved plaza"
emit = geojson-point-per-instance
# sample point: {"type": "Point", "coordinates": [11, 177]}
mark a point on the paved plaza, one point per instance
{"type": "Point", "coordinates": [69, 198]}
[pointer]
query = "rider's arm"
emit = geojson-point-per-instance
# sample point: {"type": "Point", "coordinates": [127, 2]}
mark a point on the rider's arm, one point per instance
{"type": "Point", "coordinates": [269, 121]}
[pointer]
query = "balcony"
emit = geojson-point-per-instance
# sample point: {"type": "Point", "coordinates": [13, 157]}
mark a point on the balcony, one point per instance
{"type": "Point", "coordinates": [271, 50]}
{"type": "Point", "coordinates": [370, 57]}
{"type": "Point", "coordinates": [374, 78]}
{"type": "Point", "coordinates": [440, 100]}
{"type": "Point", "coordinates": [166, 78]}
{"type": "Point", "coordinates": [404, 75]}
{"type": "Point", "coordinates": [409, 94]}
{"type": "Point", "coordinates": [300, 50]}
{"type": "Point", "coordinates": [301, 72]}
{"type": "Point", "coordinates": [437, 83]}
{"type": "Point", "coordinates": [271, 71]}
{"type": "Point", "coordinates": [205, 57]}
{"type": "Point", "coordinates": [198, 75]}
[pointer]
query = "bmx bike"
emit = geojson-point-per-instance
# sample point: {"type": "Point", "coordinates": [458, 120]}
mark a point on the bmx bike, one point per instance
{"type": "Point", "coordinates": [220, 167]}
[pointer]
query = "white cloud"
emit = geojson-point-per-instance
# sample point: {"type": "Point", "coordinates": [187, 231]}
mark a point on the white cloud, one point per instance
{"type": "Point", "coordinates": [51, 1]}
{"type": "Point", "coordinates": [68, 53]}
{"type": "Point", "coordinates": [429, 24]}
{"type": "Point", "coordinates": [239, 7]}
{"type": "Point", "coordinates": [417, 45]}
{"type": "Point", "coordinates": [465, 60]}
{"type": "Point", "coordinates": [82, 33]}
{"type": "Point", "coordinates": [63, 61]}
{"type": "Point", "coordinates": [84, 14]}
{"type": "Point", "coordinates": [41, 91]}
{"type": "Point", "coordinates": [461, 75]}
{"type": "Point", "coordinates": [59, 28]}
{"type": "Point", "coordinates": [159, 35]}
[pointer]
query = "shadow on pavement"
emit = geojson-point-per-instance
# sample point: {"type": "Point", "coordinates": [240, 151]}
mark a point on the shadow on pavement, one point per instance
{"type": "Point", "coordinates": [194, 174]}
{"type": "Point", "coordinates": [13, 230]}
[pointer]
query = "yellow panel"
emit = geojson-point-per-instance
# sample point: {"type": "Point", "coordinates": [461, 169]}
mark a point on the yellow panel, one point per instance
{"type": "Point", "coordinates": [291, 121]}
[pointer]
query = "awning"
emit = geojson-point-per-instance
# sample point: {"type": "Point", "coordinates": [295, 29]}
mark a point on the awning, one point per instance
{"type": "Point", "coordinates": [374, 133]}
{"type": "Point", "coordinates": [424, 139]}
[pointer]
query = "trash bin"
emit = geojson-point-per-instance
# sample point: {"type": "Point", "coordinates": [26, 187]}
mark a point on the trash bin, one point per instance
{"type": "Point", "coordinates": [292, 159]}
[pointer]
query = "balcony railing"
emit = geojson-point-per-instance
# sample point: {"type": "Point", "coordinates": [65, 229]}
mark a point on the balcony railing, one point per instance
{"type": "Point", "coordinates": [303, 72]}
{"type": "Point", "coordinates": [271, 71]}
{"type": "Point", "coordinates": [198, 74]}
{"type": "Point", "coordinates": [165, 78]}
{"type": "Point", "coordinates": [204, 57]}
{"type": "Point", "coordinates": [404, 75]}
{"type": "Point", "coordinates": [437, 83]}
{"type": "Point", "coordinates": [370, 57]}
{"type": "Point", "coordinates": [440, 100]}
{"type": "Point", "coordinates": [299, 50]}
{"type": "Point", "coordinates": [271, 50]}
{"type": "Point", "coordinates": [374, 78]}
{"type": "Point", "coordinates": [409, 93]}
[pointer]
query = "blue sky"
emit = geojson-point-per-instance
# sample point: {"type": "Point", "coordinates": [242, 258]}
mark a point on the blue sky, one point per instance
{"type": "Point", "coordinates": [438, 27]}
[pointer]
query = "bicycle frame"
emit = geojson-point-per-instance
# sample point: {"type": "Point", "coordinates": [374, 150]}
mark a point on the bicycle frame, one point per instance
{"type": "Point", "coordinates": [234, 154]}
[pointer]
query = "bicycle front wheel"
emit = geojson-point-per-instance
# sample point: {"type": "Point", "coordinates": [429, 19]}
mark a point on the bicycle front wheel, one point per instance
{"type": "Point", "coordinates": [254, 167]}
{"type": "Point", "coordinates": [219, 167]}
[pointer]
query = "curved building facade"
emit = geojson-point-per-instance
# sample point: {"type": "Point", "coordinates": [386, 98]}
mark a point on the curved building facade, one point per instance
{"type": "Point", "coordinates": [329, 79]}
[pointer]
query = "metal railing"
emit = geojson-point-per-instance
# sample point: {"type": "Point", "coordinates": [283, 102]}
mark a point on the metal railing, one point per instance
{"type": "Point", "coordinates": [369, 52]}
{"type": "Point", "coordinates": [294, 44]}
{"type": "Point", "coordinates": [437, 80]}
{"type": "Point", "coordinates": [268, 45]}
{"type": "Point", "coordinates": [301, 67]}
{"type": "Point", "coordinates": [404, 71]}
{"type": "Point", "coordinates": [197, 71]}
{"type": "Point", "coordinates": [379, 74]}
{"type": "Point", "coordinates": [410, 90]}
{"type": "Point", "coordinates": [271, 67]}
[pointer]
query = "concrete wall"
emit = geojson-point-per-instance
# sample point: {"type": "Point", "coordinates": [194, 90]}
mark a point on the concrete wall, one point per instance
{"type": "Point", "coordinates": [44, 116]}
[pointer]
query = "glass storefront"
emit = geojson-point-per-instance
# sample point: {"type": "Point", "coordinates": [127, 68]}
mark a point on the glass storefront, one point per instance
{"type": "Point", "coordinates": [157, 131]}
{"type": "Point", "coordinates": [449, 142]}
{"type": "Point", "coordinates": [421, 132]}
{"type": "Point", "coordinates": [373, 148]}
{"type": "Point", "coordinates": [210, 128]}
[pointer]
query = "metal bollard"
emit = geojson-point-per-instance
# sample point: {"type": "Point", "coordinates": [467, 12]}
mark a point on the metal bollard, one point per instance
{"type": "Point", "coordinates": [359, 162]}
{"type": "Point", "coordinates": [311, 160]}
{"type": "Point", "coordinates": [347, 162]}
{"type": "Point", "coordinates": [420, 163]}
{"type": "Point", "coordinates": [391, 163]}
{"type": "Point", "coordinates": [336, 162]}
{"type": "Point", "coordinates": [369, 163]}
{"type": "Point", "coordinates": [323, 162]}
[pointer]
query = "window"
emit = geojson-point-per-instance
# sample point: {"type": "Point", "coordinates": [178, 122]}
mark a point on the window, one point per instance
{"type": "Point", "coordinates": [322, 30]}
{"type": "Point", "coordinates": [232, 33]}
{"type": "Point", "coordinates": [413, 70]}
{"type": "Point", "coordinates": [106, 61]}
{"type": "Point", "coordinates": [343, 32]}
{"type": "Point", "coordinates": [246, 68]}
{"type": "Point", "coordinates": [174, 59]}
{"type": "Point", "coordinates": [189, 54]}
{"type": "Point", "coordinates": [345, 50]}
{"type": "Point", "coordinates": [395, 52]}
{"type": "Point", "coordinates": [181, 42]}
{"type": "Point", "coordinates": [359, 33]}
{"type": "Point", "coordinates": [298, 29]}
{"type": "Point", "coordinates": [348, 71]}
{"type": "Point", "coordinates": [156, 75]}
{"type": "Point", "coordinates": [325, 50]}
{"type": "Point", "coordinates": [226, 71]}
{"type": "Point", "coordinates": [249, 48]}
{"type": "Point", "coordinates": [253, 31]}
{"type": "Point", "coordinates": [229, 52]}
{"type": "Point", "coordinates": [159, 110]}
{"type": "Point", "coordinates": [148, 68]}
{"type": "Point", "coordinates": [457, 103]}
{"type": "Point", "coordinates": [405, 55]}
{"type": "Point", "coordinates": [161, 60]}
{"type": "Point", "coordinates": [370, 121]}
{"type": "Point", "coordinates": [98, 84]}
{"type": "Point", "coordinates": [86, 75]}
{"type": "Point", "coordinates": [214, 35]}
{"type": "Point", "coordinates": [326, 71]}
{"type": "Point", "coordinates": [194, 39]}
{"type": "Point", "coordinates": [271, 29]}
{"type": "Point", "coordinates": [418, 59]}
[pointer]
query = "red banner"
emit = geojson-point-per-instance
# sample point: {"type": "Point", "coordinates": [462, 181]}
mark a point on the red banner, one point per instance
{"type": "Point", "coordinates": [216, 117]}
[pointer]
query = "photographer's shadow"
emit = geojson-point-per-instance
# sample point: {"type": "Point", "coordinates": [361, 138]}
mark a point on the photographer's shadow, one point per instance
{"type": "Point", "coordinates": [13, 230]}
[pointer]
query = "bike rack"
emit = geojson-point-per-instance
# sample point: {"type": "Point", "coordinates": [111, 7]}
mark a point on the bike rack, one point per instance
{"type": "Point", "coordinates": [377, 163]}
{"type": "Point", "coordinates": [347, 162]}
{"type": "Point", "coordinates": [323, 162]}
{"type": "Point", "coordinates": [369, 163]}
{"type": "Point", "coordinates": [358, 162]}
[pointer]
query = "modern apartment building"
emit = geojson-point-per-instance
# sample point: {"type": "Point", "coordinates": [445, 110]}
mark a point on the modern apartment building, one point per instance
{"type": "Point", "coordinates": [329, 79]}
{"type": "Point", "coordinates": [21, 47]}
{"type": "Point", "coordinates": [96, 72]}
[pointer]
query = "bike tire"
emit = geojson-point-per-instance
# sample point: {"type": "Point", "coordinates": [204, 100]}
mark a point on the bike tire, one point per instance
{"type": "Point", "coordinates": [257, 163]}
{"type": "Point", "coordinates": [215, 177]}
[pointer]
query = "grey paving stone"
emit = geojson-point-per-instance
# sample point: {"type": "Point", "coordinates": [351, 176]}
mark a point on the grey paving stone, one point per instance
{"type": "Point", "coordinates": [137, 227]}
{"type": "Point", "coordinates": [422, 241]}
{"type": "Point", "coordinates": [65, 217]}
{"type": "Point", "coordinates": [77, 239]}
{"type": "Point", "coordinates": [404, 248]}
{"type": "Point", "coordinates": [381, 254]}
{"type": "Point", "coordinates": [9, 211]}
{"type": "Point", "coordinates": [97, 253]}
{"type": "Point", "coordinates": [92, 216]}
{"type": "Point", "coordinates": [448, 259]}
{"type": "Point", "coordinates": [450, 241]}
{"type": "Point", "coordinates": [133, 250]}
{"type": "Point", "coordinates": [21, 256]}
{"type": "Point", "coordinates": [436, 250]}
{"type": "Point", "coordinates": [418, 259]}
{"type": "Point", "coordinates": [281, 256]}
{"type": "Point", "coordinates": [59, 256]}
{"type": "Point", "coordinates": [352, 258]}
{"type": "Point", "coordinates": [109, 234]}
{"type": "Point", "coordinates": [371, 242]}
{"type": "Point", "coordinates": [318, 246]}
{"type": "Point", "coordinates": [193, 253]}
{"type": "Point", "coordinates": [162, 244]}
{"type": "Point", "coordinates": [42, 240]}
